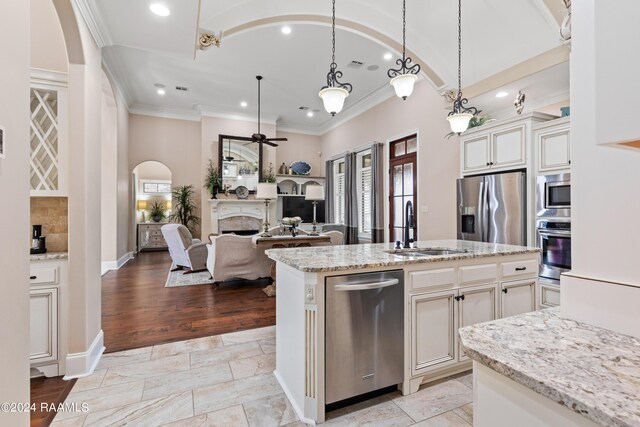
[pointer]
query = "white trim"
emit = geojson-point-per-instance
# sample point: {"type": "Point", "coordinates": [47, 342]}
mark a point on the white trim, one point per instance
{"type": "Point", "coordinates": [83, 364]}
{"type": "Point", "coordinates": [115, 83]}
{"type": "Point", "coordinates": [155, 111]}
{"type": "Point", "coordinates": [115, 265]}
{"type": "Point", "coordinates": [94, 23]}
{"type": "Point", "coordinates": [294, 404]}
{"type": "Point", "coordinates": [49, 77]}
{"type": "Point", "coordinates": [208, 111]}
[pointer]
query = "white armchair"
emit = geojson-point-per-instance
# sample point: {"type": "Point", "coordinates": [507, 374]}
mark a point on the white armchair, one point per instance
{"type": "Point", "coordinates": [186, 252]}
{"type": "Point", "coordinates": [231, 256]}
{"type": "Point", "coordinates": [336, 237]}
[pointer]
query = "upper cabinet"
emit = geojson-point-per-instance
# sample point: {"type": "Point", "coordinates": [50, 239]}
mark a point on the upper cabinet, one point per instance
{"type": "Point", "coordinates": [49, 134]}
{"type": "Point", "coordinates": [499, 146]}
{"type": "Point", "coordinates": [553, 145]}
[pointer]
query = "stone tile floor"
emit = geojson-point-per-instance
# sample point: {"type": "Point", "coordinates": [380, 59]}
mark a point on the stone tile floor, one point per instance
{"type": "Point", "coordinates": [227, 381]}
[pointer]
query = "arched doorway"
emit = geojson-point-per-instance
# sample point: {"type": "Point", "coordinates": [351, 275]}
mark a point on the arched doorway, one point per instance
{"type": "Point", "coordinates": [151, 189]}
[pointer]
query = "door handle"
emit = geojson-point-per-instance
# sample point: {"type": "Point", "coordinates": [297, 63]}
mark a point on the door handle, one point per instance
{"type": "Point", "coordinates": [521, 268]}
{"type": "Point", "coordinates": [366, 286]}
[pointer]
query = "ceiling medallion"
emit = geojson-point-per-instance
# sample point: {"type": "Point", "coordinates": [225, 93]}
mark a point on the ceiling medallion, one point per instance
{"type": "Point", "coordinates": [206, 40]}
{"type": "Point", "coordinates": [335, 92]}
{"type": "Point", "coordinates": [403, 78]}
{"type": "Point", "coordinates": [460, 115]}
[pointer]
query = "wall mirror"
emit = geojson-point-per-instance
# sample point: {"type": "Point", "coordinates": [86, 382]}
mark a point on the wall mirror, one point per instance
{"type": "Point", "coordinates": [240, 162]}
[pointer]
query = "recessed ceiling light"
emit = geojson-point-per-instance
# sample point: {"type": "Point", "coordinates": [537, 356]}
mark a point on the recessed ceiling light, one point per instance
{"type": "Point", "coordinates": [161, 91]}
{"type": "Point", "coordinates": [387, 56]}
{"type": "Point", "coordinates": [286, 29]}
{"type": "Point", "coordinates": [243, 104]}
{"type": "Point", "coordinates": [501, 94]}
{"type": "Point", "coordinates": [309, 113]}
{"type": "Point", "coordinates": [159, 9]}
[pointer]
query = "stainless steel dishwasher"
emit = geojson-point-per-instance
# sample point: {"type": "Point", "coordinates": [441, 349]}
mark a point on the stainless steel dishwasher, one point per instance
{"type": "Point", "coordinates": [364, 333]}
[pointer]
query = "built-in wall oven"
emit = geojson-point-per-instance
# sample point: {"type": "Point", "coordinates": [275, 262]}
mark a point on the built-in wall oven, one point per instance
{"type": "Point", "coordinates": [553, 196]}
{"type": "Point", "coordinates": [554, 239]}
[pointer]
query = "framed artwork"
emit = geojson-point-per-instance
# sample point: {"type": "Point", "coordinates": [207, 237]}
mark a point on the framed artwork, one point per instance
{"type": "Point", "coordinates": [2, 143]}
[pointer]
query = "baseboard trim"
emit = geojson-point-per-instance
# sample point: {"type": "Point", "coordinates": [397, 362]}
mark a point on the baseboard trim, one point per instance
{"type": "Point", "coordinates": [115, 265]}
{"type": "Point", "coordinates": [83, 364]}
{"type": "Point", "coordinates": [299, 411]}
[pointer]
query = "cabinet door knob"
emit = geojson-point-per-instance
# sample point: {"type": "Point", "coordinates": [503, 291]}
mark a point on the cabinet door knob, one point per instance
{"type": "Point", "coordinates": [505, 290]}
{"type": "Point", "coordinates": [33, 277]}
{"type": "Point", "coordinates": [488, 163]}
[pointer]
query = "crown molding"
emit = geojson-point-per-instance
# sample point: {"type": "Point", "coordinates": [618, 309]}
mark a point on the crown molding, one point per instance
{"type": "Point", "coordinates": [94, 22]}
{"type": "Point", "coordinates": [112, 67]}
{"type": "Point", "coordinates": [167, 113]}
{"type": "Point", "coordinates": [117, 85]}
{"type": "Point", "coordinates": [49, 77]}
{"type": "Point", "coordinates": [209, 111]}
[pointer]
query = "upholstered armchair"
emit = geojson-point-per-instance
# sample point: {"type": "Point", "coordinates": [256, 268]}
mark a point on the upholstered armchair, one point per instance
{"type": "Point", "coordinates": [337, 238]}
{"type": "Point", "coordinates": [231, 256]}
{"type": "Point", "coordinates": [186, 252]}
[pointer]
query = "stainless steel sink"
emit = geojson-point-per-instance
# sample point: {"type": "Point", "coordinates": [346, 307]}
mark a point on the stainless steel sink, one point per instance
{"type": "Point", "coordinates": [418, 252]}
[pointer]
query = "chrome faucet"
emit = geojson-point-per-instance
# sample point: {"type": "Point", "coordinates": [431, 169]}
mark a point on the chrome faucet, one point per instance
{"type": "Point", "coordinates": [408, 223]}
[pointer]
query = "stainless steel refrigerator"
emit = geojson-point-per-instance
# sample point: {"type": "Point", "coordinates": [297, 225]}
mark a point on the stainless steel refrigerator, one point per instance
{"type": "Point", "coordinates": [492, 208]}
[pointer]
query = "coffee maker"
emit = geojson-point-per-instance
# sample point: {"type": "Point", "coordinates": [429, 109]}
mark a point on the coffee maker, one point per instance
{"type": "Point", "coordinates": [38, 245]}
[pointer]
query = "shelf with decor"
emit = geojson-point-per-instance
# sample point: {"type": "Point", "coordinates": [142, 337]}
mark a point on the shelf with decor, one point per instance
{"type": "Point", "coordinates": [287, 182]}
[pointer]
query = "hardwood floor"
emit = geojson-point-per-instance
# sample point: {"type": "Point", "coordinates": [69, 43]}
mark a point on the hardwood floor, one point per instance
{"type": "Point", "coordinates": [51, 391]}
{"type": "Point", "coordinates": [138, 311]}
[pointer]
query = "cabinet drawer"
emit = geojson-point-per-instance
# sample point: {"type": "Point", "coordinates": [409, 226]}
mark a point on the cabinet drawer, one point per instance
{"type": "Point", "coordinates": [549, 296]}
{"type": "Point", "coordinates": [44, 275]}
{"type": "Point", "coordinates": [478, 273]}
{"type": "Point", "coordinates": [432, 278]}
{"type": "Point", "coordinates": [520, 268]}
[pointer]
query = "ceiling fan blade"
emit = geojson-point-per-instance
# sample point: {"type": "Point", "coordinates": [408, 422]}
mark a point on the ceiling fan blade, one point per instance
{"type": "Point", "coordinates": [243, 138]}
{"type": "Point", "coordinates": [266, 141]}
{"type": "Point", "coordinates": [276, 139]}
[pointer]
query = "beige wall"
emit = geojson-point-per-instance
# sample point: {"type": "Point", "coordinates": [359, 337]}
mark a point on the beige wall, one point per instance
{"type": "Point", "coordinates": [109, 173]}
{"type": "Point", "coordinates": [123, 179]}
{"type": "Point", "coordinates": [176, 143]}
{"type": "Point", "coordinates": [85, 114]}
{"type": "Point", "coordinates": [438, 158]}
{"type": "Point", "coordinates": [307, 148]}
{"type": "Point", "coordinates": [14, 221]}
{"type": "Point", "coordinates": [48, 49]}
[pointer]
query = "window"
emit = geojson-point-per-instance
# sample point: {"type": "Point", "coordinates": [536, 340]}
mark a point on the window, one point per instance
{"type": "Point", "coordinates": [338, 191]}
{"type": "Point", "coordinates": [155, 187]}
{"type": "Point", "coordinates": [364, 194]}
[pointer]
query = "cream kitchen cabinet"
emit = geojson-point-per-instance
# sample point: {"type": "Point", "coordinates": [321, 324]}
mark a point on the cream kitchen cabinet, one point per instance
{"type": "Point", "coordinates": [499, 146]}
{"type": "Point", "coordinates": [553, 145]}
{"type": "Point", "coordinates": [518, 297]}
{"type": "Point", "coordinates": [477, 304]}
{"type": "Point", "coordinates": [49, 134]}
{"type": "Point", "coordinates": [47, 314]}
{"type": "Point", "coordinates": [548, 295]}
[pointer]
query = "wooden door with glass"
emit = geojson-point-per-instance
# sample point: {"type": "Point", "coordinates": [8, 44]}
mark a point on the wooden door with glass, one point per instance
{"type": "Point", "coordinates": [403, 186]}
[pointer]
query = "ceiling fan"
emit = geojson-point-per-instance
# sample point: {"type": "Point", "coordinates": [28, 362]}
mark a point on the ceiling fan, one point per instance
{"type": "Point", "coordinates": [260, 137]}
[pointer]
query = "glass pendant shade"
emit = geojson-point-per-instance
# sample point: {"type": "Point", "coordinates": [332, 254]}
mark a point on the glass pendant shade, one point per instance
{"type": "Point", "coordinates": [459, 122]}
{"type": "Point", "coordinates": [333, 99]}
{"type": "Point", "coordinates": [403, 84]}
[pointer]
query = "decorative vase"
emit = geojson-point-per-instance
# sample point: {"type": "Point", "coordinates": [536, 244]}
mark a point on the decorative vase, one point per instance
{"type": "Point", "coordinates": [156, 218]}
{"type": "Point", "coordinates": [214, 192]}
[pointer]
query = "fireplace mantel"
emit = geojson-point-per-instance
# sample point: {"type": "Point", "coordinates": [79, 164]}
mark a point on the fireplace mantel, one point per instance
{"type": "Point", "coordinates": [229, 208]}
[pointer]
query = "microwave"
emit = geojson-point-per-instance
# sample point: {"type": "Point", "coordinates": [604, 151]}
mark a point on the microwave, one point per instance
{"type": "Point", "coordinates": [553, 196]}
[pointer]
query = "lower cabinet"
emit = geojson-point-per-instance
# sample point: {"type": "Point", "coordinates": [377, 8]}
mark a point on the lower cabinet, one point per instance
{"type": "Point", "coordinates": [436, 318]}
{"type": "Point", "coordinates": [549, 295]}
{"type": "Point", "coordinates": [44, 325]}
{"type": "Point", "coordinates": [518, 297]}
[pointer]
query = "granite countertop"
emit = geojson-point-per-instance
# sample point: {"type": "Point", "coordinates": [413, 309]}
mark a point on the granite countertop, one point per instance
{"type": "Point", "coordinates": [592, 371]}
{"type": "Point", "coordinates": [345, 257]}
{"type": "Point", "coordinates": [49, 256]}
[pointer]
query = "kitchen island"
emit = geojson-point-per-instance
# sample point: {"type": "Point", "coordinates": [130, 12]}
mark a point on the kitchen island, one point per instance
{"type": "Point", "coordinates": [454, 284]}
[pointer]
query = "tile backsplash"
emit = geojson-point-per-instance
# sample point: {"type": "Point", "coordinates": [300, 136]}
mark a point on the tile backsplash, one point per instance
{"type": "Point", "coordinates": [52, 214]}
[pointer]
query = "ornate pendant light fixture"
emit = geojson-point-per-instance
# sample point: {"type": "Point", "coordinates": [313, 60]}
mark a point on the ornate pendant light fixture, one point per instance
{"type": "Point", "coordinates": [460, 115]}
{"type": "Point", "coordinates": [335, 92]}
{"type": "Point", "coordinates": [404, 77]}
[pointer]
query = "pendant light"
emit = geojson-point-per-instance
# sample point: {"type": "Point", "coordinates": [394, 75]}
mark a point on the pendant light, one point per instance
{"type": "Point", "coordinates": [335, 92]}
{"type": "Point", "coordinates": [404, 77]}
{"type": "Point", "coordinates": [460, 115]}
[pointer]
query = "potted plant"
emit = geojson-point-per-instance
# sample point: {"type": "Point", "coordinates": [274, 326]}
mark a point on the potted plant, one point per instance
{"type": "Point", "coordinates": [157, 211]}
{"type": "Point", "coordinates": [213, 179]}
{"type": "Point", "coordinates": [269, 175]}
{"type": "Point", "coordinates": [184, 207]}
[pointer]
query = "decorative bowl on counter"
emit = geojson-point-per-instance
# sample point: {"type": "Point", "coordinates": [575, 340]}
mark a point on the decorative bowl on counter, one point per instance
{"type": "Point", "coordinates": [295, 220]}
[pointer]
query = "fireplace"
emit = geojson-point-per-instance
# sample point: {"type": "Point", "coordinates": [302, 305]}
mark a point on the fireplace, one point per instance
{"type": "Point", "coordinates": [239, 216]}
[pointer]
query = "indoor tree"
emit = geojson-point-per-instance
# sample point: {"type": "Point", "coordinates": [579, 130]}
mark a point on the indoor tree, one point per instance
{"type": "Point", "coordinates": [184, 207]}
